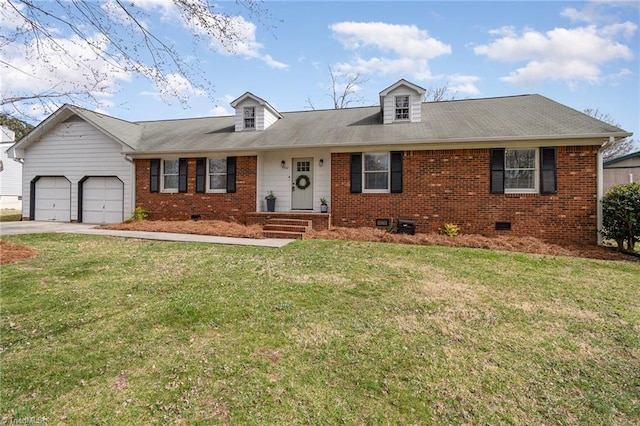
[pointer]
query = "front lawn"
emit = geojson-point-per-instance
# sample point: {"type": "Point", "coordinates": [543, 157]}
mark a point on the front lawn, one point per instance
{"type": "Point", "coordinates": [98, 330]}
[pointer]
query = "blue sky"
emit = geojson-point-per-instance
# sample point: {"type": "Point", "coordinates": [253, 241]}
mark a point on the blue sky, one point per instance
{"type": "Point", "coordinates": [582, 54]}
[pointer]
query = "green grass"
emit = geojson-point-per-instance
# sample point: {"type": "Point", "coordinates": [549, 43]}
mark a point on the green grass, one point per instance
{"type": "Point", "coordinates": [10, 215]}
{"type": "Point", "coordinates": [101, 330]}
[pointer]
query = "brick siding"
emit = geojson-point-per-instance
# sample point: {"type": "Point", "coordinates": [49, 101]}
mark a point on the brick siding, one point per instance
{"type": "Point", "coordinates": [231, 207]}
{"type": "Point", "coordinates": [452, 186]}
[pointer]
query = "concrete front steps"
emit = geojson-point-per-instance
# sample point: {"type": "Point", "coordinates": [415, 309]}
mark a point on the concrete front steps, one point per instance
{"type": "Point", "coordinates": [286, 228]}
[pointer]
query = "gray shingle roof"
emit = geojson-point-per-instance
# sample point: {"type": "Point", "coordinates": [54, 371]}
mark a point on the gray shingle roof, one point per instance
{"type": "Point", "coordinates": [496, 119]}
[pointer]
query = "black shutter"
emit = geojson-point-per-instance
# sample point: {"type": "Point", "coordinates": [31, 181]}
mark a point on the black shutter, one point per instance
{"type": "Point", "coordinates": [396, 171]}
{"type": "Point", "coordinates": [548, 173]}
{"type": "Point", "coordinates": [497, 171]}
{"type": "Point", "coordinates": [356, 172]}
{"type": "Point", "coordinates": [201, 174]}
{"type": "Point", "coordinates": [231, 174]}
{"type": "Point", "coordinates": [182, 175]}
{"type": "Point", "coordinates": [154, 167]}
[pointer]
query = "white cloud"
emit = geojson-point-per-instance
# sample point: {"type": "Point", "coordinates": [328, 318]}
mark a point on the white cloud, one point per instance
{"type": "Point", "coordinates": [403, 49]}
{"type": "Point", "coordinates": [63, 65]}
{"type": "Point", "coordinates": [219, 111]}
{"type": "Point", "coordinates": [464, 84]}
{"type": "Point", "coordinates": [569, 54]}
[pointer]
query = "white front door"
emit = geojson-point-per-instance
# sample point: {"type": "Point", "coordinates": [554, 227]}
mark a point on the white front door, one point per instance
{"type": "Point", "coordinates": [302, 184]}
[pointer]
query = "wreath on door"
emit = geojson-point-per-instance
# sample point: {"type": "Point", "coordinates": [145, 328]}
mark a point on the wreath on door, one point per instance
{"type": "Point", "coordinates": [303, 182]}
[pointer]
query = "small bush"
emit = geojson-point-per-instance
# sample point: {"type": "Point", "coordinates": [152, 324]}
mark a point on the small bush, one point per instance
{"type": "Point", "coordinates": [449, 229]}
{"type": "Point", "coordinates": [621, 215]}
{"type": "Point", "coordinates": [140, 213]}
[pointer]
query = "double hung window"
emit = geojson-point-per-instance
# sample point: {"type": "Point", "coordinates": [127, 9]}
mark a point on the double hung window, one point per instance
{"type": "Point", "coordinates": [402, 107]}
{"type": "Point", "coordinates": [170, 175]}
{"type": "Point", "coordinates": [249, 118]}
{"type": "Point", "coordinates": [521, 174]}
{"type": "Point", "coordinates": [375, 167]}
{"type": "Point", "coordinates": [217, 174]}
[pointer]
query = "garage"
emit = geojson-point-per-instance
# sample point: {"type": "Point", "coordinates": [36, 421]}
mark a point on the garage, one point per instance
{"type": "Point", "coordinates": [53, 199]}
{"type": "Point", "coordinates": [102, 199]}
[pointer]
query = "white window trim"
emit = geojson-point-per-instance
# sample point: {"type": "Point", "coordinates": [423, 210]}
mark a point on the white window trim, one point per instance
{"type": "Point", "coordinates": [216, 191]}
{"type": "Point", "coordinates": [536, 177]}
{"type": "Point", "coordinates": [364, 173]}
{"type": "Point", "coordinates": [244, 117]}
{"type": "Point", "coordinates": [162, 175]}
{"type": "Point", "coordinates": [395, 108]}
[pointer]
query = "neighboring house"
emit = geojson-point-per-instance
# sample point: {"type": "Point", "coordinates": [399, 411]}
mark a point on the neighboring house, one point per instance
{"type": "Point", "coordinates": [519, 165]}
{"type": "Point", "coordinates": [10, 173]}
{"type": "Point", "coordinates": [625, 169]}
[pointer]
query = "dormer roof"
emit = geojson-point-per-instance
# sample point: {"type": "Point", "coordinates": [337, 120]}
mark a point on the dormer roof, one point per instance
{"type": "Point", "coordinates": [259, 100]}
{"type": "Point", "coordinates": [402, 82]}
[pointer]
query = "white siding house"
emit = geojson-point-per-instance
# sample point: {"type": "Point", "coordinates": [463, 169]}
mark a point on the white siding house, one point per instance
{"type": "Point", "coordinates": [74, 171]}
{"type": "Point", "coordinates": [10, 173]}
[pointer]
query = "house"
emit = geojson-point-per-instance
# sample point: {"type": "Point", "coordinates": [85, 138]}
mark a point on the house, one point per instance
{"type": "Point", "coordinates": [517, 165]}
{"type": "Point", "coordinates": [10, 173]}
{"type": "Point", "coordinates": [624, 169]}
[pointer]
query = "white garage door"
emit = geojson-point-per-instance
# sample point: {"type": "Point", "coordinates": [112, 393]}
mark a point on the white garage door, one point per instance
{"type": "Point", "coordinates": [102, 200]}
{"type": "Point", "coordinates": [53, 199]}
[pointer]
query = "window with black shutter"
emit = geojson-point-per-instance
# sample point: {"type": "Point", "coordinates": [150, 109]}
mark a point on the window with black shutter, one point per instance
{"type": "Point", "coordinates": [356, 173]}
{"type": "Point", "coordinates": [548, 174]}
{"type": "Point", "coordinates": [154, 173]}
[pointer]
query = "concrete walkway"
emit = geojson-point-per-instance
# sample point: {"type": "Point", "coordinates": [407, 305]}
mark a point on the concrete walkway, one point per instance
{"type": "Point", "coordinates": [38, 227]}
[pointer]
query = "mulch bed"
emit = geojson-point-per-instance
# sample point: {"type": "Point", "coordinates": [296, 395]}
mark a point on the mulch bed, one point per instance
{"type": "Point", "coordinates": [15, 253]}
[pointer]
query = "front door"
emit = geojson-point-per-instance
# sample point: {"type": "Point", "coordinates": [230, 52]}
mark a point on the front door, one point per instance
{"type": "Point", "coordinates": [302, 184]}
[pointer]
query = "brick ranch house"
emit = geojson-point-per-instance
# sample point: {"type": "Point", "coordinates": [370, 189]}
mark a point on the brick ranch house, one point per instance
{"type": "Point", "coordinates": [519, 165]}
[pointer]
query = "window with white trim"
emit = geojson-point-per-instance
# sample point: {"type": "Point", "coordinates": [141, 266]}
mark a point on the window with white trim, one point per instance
{"type": "Point", "coordinates": [375, 169]}
{"type": "Point", "coordinates": [249, 117]}
{"type": "Point", "coordinates": [520, 170]}
{"type": "Point", "coordinates": [170, 172]}
{"type": "Point", "coordinates": [402, 107]}
{"type": "Point", "coordinates": [217, 175]}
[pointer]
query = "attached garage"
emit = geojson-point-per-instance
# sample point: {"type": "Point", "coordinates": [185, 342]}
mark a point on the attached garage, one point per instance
{"type": "Point", "coordinates": [52, 198]}
{"type": "Point", "coordinates": [102, 199]}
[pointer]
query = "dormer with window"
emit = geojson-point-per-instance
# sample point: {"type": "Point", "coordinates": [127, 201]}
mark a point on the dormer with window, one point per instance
{"type": "Point", "coordinates": [253, 113]}
{"type": "Point", "coordinates": [402, 103]}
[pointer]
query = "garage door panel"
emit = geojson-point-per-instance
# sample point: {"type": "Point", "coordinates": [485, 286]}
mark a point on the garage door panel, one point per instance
{"type": "Point", "coordinates": [53, 199]}
{"type": "Point", "coordinates": [102, 200]}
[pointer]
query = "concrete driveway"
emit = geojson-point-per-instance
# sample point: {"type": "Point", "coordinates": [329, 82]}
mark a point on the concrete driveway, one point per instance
{"type": "Point", "coordinates": [39, 227]}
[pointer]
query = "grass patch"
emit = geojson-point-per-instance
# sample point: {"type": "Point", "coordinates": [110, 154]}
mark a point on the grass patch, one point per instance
{"type": "Point", "coordinates": [105, 330]}
{"type": "Point", "coordinates": [10, 215]}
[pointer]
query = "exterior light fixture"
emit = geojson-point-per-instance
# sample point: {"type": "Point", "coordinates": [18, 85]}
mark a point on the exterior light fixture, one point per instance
{"type": "Point", "coordinates": [321, 162]}
{"type": "Point", "coordinates": [283, 164]}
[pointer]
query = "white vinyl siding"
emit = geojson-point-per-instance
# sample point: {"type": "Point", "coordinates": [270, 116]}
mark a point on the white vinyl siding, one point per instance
{"type": "Point", "coordinates": [263, 117]}
{"type": "Point", "coordinates": [389, 106]}
{"type": "Point", "coordinates": [75, 149]}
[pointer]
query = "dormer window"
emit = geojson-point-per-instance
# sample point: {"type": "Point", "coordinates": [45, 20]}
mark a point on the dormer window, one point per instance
{"type": "Point", "coordinates": [402, 107]}
{"type": "Point", "coordinates": [249, 117]}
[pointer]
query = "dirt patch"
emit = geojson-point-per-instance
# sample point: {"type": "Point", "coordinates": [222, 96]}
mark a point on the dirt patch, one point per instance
{"type": "Point", "coordinates": [11, 253]}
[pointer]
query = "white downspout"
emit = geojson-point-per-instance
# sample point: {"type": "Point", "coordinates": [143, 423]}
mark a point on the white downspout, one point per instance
{"type": "Point", "coordinates": [600, 190]}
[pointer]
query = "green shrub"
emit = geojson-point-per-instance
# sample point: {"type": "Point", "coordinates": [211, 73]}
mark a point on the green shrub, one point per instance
{"type": "Point", "coordinates": [621, 215]}
{"type": "Point", "coordinates": [449, 229]}
{"type": "Point", "coordinates": [140, 213]}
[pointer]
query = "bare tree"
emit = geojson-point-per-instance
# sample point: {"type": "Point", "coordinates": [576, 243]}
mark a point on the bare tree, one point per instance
{"type": "Point", "coordinates": [439, 94]}
{"type": "Point", "coordinates": [102, 41]}
{"type": "Point", "coordinates": [618, 148]}
{"type": "Point", "coordinates": [344, 90]}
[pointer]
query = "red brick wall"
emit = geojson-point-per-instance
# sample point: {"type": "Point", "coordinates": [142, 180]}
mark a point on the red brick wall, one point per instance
{"type": "Point", "coordinates": [452, 186]}
{"type": "Point", "coordinates": [179, 206]}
